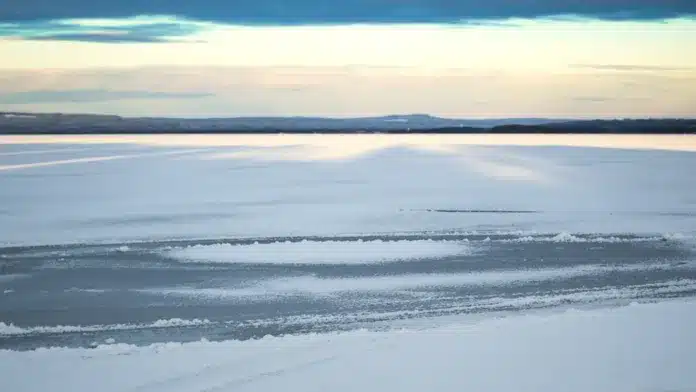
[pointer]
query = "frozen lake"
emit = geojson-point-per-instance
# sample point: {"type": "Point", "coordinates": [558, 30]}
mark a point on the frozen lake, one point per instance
{"type": "Point", "coordinates": [144, 240]}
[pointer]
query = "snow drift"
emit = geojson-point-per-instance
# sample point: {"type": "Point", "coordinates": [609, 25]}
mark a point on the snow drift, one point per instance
{"type": "Point", "coordinates": [320, 252]}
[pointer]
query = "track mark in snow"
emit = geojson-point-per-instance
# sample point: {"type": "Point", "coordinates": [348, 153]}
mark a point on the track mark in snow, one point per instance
{"type": "Point", "coordinates": [94, 159]}
{"type": "Point", "coordinates": [271, 373]}
{"type": "Point", "coordinates": [32, 152]}
{"type": "Point", "coordinates": [241, 370]}
{"type": "Point", "coordinates": [180, 381]}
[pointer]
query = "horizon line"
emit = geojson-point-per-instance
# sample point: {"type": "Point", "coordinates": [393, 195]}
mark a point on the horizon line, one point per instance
{"type": "Point", "coordinates": [230, 117]}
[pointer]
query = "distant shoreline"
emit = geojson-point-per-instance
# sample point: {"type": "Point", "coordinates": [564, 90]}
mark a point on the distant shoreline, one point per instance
{"type": "Point", "coordinates": [517, 131]}
{"type": "Point", "coordinates": [77, 124]}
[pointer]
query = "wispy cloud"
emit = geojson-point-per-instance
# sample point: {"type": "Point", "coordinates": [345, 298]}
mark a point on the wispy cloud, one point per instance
{"type": "Point", "coordinates": [55, 96]}
{"type": "Point", "coordinates": [628, 67]}
{"type": "Point", "coordinates": [609, 100]}
{"type": "Point", "coordinates": [310, 12]}
{"type": "Point", "coordinates": [491, 22]}
{"type": "Point", "coordinates": [343, 91]}
{"type": "Point", "coordinates": [592, 99]}
{"type": "Point", "coordinates": [150, 29]}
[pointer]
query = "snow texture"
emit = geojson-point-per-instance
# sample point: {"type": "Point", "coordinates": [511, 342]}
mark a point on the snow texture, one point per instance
{"type": "Point", "coordinates": [10, 329]}
{"type": "Point", "coordinates": [640, 347]}
{"type": "Point", "coordinates": [317, 286]}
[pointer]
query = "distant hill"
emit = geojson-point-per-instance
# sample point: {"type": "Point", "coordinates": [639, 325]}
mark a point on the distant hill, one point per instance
{"type": "Point", "coordinates": [57, 123]}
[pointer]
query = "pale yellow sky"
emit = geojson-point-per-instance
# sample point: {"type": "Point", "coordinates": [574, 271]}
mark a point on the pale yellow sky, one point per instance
{"type": "Point", "coordinates": [524, 44]}
{"type": "Point", "coordinates": [529, 68]}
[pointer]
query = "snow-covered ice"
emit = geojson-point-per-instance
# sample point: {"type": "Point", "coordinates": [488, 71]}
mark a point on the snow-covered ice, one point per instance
{"type": "Point", "coordinates": [372, 262]}
{"type": "Point", "coordinates": [10, 329]}
{"type": "Point", "coordinates": [12, 115]}
{"type": "Point", "coordinates": [11, 277]}
{"type": "Point", "coordinates": [315, 285]}
{"type": "Point", "coordinates": [206, 186]}
{"type": "Point", "coordinates": [320, 252]}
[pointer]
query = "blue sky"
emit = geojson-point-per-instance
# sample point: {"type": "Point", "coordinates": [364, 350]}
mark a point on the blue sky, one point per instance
{"type": "Point", "coordinates": [466, 58]}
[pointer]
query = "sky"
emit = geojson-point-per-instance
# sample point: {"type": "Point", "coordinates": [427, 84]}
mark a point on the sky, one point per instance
{"type": "Point", "coordinates": [450, 58]}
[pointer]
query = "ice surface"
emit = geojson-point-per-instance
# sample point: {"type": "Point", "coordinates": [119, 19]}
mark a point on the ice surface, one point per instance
{"type": "Point", "coordinates": [418, 317]}
{"type": "Point", "coordinates": [95, 159]}
{"type": "Point", "coordinates": [568, 237]}
{"type": "Point", "coordinates": [543, 193]}
{"type": "Point", "coordinates": [49, 151]}
{"type": "Point", "coordinates": [320, 252]}
{"type": "Point", "coordinates": [641, 347]}
{"type": "Point", "coordinates": [11, 277]}
{"type": "Point", "coordinates": [11, 115]}
{"type": "Point", "coordinates": [316, 285]}
{"type": "Point", "coordinates": [221, 187]}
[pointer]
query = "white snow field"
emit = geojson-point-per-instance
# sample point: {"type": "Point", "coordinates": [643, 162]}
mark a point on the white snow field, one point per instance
{"type": "Point", "coordinates": [646, 347]}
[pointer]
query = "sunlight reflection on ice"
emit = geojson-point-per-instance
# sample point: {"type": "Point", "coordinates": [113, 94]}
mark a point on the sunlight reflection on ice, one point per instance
{"type": "Point", "coordinates": [350, 145]}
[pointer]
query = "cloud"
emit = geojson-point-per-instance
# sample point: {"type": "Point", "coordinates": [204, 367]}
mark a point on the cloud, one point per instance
{"type": "Point", "coordinates": [127, 30]}
{"type": "Point", "coordinates": [609, 100]}
{"type": "Point", "coordinates": [592, 99]}
{"type": "Point", "coordinates": [86, 95]}
{"type": "Point", "coordinates": [310, 12]}
{"type": "Point", "coordinates": [625, 67]}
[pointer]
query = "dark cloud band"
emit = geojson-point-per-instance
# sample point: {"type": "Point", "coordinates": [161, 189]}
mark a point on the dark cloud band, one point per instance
{"type": "Point", "coordinates": [307, 12]}
{"type": "Point", "coordinates": [65, 30]}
